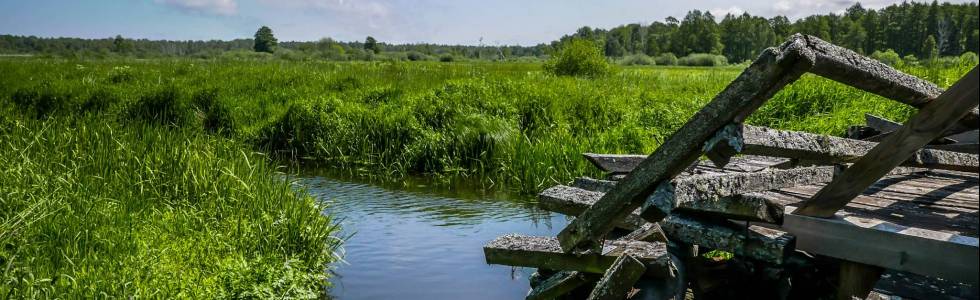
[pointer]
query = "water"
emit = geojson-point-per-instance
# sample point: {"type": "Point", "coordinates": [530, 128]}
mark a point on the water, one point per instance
{"type": "Point", "coordinates": [417, 242]}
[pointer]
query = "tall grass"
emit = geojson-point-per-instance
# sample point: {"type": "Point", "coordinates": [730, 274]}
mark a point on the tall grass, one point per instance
{"type": "Point", "coordinates": [509, 124]}
{"type": "Point", "coordinates": [91, 209]}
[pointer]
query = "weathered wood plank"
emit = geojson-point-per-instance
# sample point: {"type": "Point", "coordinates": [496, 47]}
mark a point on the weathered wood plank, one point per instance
{"type": "Point", "coordinates": [595, 185]}
{"type": "Point", "coordinates": [881, 124]}
{"type": "Point", "coordinates": [649, 232]}
{"type": "Point", "coordinates": [614, 163]}
{"type": "Point", "coordinates": [725, 195]}
{"type": "Point", "coordinates": [745, 163]}
{"type": "Point", "coordinates": [856, 280]}
{"type": "Point", "coordinates": [885, 244]}
{"type": "Point", "coordinates": [815, 147]}
{"type": "Point", "coordinates": [545, 252]}
{"type": "Point", "coordinates": [961, 148]}
{"type": "Point", "coordinates": [559, 284]}
{"type": "Point", "coordinates": [618, 280]}
{"type": "Point", "coordinates": [573, 201]}
{"type": "Point", "coordinates": [754, 242]}
{"type": "Point", "coordinates": [847, 67]}
{"type": "Point", "coordinates": [930, 122]}
{"type": "Point", "coordinates": [770, 72]}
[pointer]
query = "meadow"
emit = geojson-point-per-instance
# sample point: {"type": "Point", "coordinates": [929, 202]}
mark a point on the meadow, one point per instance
{"type": "Point", "coordinates": [117, 173]}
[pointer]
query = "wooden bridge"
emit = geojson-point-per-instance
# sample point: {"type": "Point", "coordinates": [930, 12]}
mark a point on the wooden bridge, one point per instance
{"type": "Point", "coordinates": [801, 214]}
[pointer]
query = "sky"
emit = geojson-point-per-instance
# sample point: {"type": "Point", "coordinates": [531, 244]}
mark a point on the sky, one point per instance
{"type": "Point", "coordinates": [466, 22]}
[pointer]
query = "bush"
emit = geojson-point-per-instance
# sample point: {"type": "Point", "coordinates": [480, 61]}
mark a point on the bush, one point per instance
{"type": "Point", "coordinates": [216, 117]}
{"type": "Point", "coordinates": [968, 58]}
{"type": "Point", "coordinates": [637, 60]}
{"type": "Point", "coordinates": [888, 57]}
{"type": "Point", "coordinates": [578, 57]}
{"type": "Point", "coordinates": [447, 58]}
{"type": "Point", "coordinates": [164, 106]}
{"type": "Point", "coordinates": [666, 59]}
{"type": "Point", "coordinates": [910, 60]}
{"type": "Point", "coordinates": [416, 56]}
{"type": "Point", "coordinates": [703, 60]}
{"type": "Point", "coordinates": [41, 101]}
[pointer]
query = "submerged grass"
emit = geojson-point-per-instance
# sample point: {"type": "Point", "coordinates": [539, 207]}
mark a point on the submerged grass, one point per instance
{"type": "Point", "coordinates": [92, 209]}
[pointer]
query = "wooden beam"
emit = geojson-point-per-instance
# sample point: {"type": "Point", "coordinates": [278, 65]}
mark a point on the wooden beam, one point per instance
{"type": "Point", "coordinates": [649, 232]}
{"type": "Point", "coordinates": [724, 195]}
{"type": "Point", "coordinates": [573, 201]}
{"type": "Point", "coordinates": [595, 185]}
{"type": "Point", "coordinates": [828, 149]}
{"type": "Point", "coordinates": [961, 148]}
{"type": "Point", "coordinates": [847, 67]}
{"type": "Point", "coordinates": [544, 252]}
{"type": "Point", "coordinates": [755, 242]}
{"type": "Point", "coordinates": [856, 280]}
{"type": "Point", "coordinates": [617, 282]}
{"type": "Point", "coordinates": [768, 74]}
{"type": "Point", "coordinates": [888, 245]}
{"type": "Point", "coordinates": [559, 284]}
{"type": "Point", "coordinates": [614, 163]}
{"type": "Point", "coordinates": [930, 122]}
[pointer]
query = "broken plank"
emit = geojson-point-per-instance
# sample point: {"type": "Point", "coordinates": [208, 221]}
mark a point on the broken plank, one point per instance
{"type": "Point", "coordinates": [573, 201]}
{"type": "Point", "coordinates": [753, 242]}
{"type": "Point", "coordinates": [618, 280]}
{"type": "Point", "coordinates": [773, 69]}
{"type": "Point", "coordinates": [828, 149]}
{"type": "Point", "coordinates": [614, 163]}
{"type": "Point", "coordinates": [545, 252]}
{"type": "Point", "coordinates": [559, 284]}
{"type": "Point", "coordinates": [725, 195]}
{"type": "Point", "coordinates": [930, 122]}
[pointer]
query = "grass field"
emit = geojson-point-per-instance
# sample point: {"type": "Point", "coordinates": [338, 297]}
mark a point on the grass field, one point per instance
{"type": "Point", "coordinates": [153, 177]}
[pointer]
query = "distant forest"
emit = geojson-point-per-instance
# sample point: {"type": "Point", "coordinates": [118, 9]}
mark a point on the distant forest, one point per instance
{"type": "Point", "coordinates": [918, 29]}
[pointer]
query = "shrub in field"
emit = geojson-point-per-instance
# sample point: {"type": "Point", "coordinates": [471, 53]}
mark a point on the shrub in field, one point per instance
{"type": "Point", "coordinates": [215, 115]}
{"type": "Point", "coordinates": [888, 57]}
{"type": "Point", "coordinates": [703, 60]}
{"type": "Point", "coordinates": [637, 60]}
{"type": "Point", "coordinates": [41, 101]}
{"type": "Point", "coordinates": [447, 58]}
{"type": "Point", "coordinates": [666, 59]}
{"type": "Point", "coordinates": [165, 106]}
{"type": "Point", "coordinates": [578, 57]}
{"type": "Point", "coordinates": [100, 100]}
{"type": "Point", "coordinates": [910, 60]}
{"type": "Point", "coordinates": [416, 56]}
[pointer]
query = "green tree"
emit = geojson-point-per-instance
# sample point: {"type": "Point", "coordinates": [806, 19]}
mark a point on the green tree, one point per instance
{"type": "Point", "coordinates": [578, 57]}
{"type": "Point", "coordinates": [698, 33]}
{"type": "Point", "coordinates": [613, 47]}
{"type": "Point", "coordinates": [121, 45]}
{"type": "Point", "coordinates": [371, 44]}
{"type": "Point", "coordinates": [264, 40]}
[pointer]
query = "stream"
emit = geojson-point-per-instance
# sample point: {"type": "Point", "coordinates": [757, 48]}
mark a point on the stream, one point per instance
{"type": "Point", "coordinates": [414, 241]}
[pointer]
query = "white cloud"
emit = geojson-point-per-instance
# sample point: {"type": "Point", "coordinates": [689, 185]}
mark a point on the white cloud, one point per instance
{"type": "Point", "coordinates": [217, 7]}
{"type": "Point", "coordinates": [802, 8]}
{"type": "Point", "coordinates": [370, 12]}
{"type": "Point", "coordinates": [721, 12]}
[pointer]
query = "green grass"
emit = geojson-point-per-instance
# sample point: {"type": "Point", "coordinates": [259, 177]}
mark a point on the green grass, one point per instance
{"type": "Point", "coordinates": [92, 209]}
{"type": "Point", "coordinates": [509, 124]}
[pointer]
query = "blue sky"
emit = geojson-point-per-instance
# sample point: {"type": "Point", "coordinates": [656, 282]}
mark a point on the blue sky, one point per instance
{"type": "Point", "coordinates": [503, 22]}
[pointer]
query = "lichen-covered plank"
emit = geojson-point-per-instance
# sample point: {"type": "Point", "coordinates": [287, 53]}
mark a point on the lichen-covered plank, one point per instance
{"type": "Point", "coordinates": [573, 201]}
{"type": "Point", "coordinates": [828, 149]}
{"type": "Point", "coordinates": [559, 284]}
{"type": "Point", "coordinates": [930, 122]}
{"type": "Point", "coordinates": [595, 185]}
{"type": "Point", "coordinates": [759, 243]}
{"type": "Point", "coordinates": [618, 280]}
{"type": "Point", "coordinates": [545, 252]}
{"type": "Point", "coordinates": [729, 195]}
{"type": "Point", "coordinates": [614, 163]}
{"type": "Point", "coordinates": [758, 82]}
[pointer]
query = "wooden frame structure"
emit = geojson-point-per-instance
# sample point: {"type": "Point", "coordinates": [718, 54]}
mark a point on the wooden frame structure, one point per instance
{"type": "Point", "coordinates": [767, 209]}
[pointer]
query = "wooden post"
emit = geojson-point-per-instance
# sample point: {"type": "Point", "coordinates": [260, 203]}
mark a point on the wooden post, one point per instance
{"type": "Point", "coordinates": [618, 280]}
{"type": "Point", "coordinates": [856, 280]}
{"type": "Point", "coordinates": [930, 122]}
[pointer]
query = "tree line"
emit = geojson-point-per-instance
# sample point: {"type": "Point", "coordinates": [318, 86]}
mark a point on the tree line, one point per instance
{"type": "Point", "coordinates": [923, 30]}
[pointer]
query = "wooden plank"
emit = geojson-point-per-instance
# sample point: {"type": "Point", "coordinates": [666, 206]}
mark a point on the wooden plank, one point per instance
{"type": "Point", "coordinates": [614, 163]}
{"type": "Point", "coordinates": [595, 185]}
{"type": "Point", "coordinates": [881, 124]}
{"type": "Point", "coordinates": [649, 232]}
{"type": "Point", "coordinates": [618, 281]}
{"type": "Point", "coordinates": [856, 280]}
{"type": "Point", "coordinates": [847, 67]}
{"type": "Point", "coordinates": [544, 252]}
{"type": "Point", "coordinates": [559, 284]}
{"type": "Point", "coordinates": [755, 242]}
{"type": "Point", "coordinates": [828, 149]}
{"type": "Point", "coordinates": [745, 163]}
{"type": "Point", "coordinates": [961, 148]}
{"type": "Point", "coordinates": [724, 195]}
{"type": "Point", "coordinates": [885, 244]}
{"type": "Point", "coordinates": [930, 122]}
{"type": "Point", "coordinates": [770, 72]}
{"type": "Point", "coordinates": [573, 201]}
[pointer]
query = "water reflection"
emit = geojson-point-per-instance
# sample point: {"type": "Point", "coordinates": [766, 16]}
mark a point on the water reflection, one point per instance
{"type": "Point", "coordinates": [417, 242]}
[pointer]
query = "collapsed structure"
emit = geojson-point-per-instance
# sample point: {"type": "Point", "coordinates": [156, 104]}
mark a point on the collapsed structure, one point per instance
{"type": "Point", "coordinates": [786, 205]}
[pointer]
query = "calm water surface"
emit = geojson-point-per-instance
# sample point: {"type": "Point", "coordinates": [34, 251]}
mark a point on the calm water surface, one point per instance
{"type": "Point", "coordinates": [412, 241]}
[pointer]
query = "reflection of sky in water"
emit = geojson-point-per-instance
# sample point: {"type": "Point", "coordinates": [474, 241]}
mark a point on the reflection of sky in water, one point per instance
{"type": "Point", "coordinates": [420, 245]}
